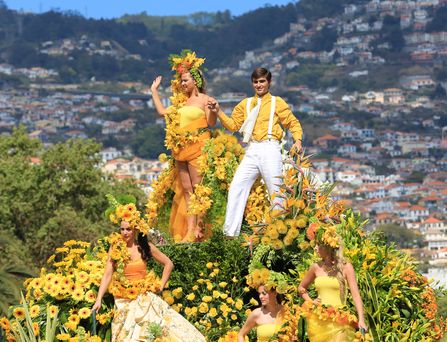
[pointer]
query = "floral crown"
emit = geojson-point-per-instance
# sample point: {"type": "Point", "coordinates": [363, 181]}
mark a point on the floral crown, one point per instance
{"type": "Point", "coordinates": [270, 279]}
{"type": "Point", "coordinates": [124, 208]}
{"type": "Point", "coordinates": [324, 233]}
{"type": "Point", "coordinates": [187, 61]}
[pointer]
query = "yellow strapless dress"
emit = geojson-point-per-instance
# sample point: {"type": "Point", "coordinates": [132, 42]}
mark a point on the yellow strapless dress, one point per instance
{"type": "Point", "coordinates": [266, 331]}
{"type": "Point", "coordinates": [189, 114]}
{"type": "Point", "coordinates": [319, 330]}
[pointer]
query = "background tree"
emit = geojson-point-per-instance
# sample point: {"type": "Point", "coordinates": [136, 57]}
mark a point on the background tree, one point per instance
{"type": "Point", "coordinates": [48, 196]}
{"type": "Point", "coordinates": [401, 236]}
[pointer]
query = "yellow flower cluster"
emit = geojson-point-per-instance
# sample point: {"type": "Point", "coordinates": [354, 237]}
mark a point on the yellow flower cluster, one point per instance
{"type": "Point", "coordinates": [131, 289]}
{"type": "Point", "coordinates": [257, 203]}
{"type": "Point", "coordinates": [129, 213]}
{"type": "Point", "coordinates": [214, 305]}
{"type": "Point", "coordinates": [284, 232]}
{"type": "Point", "coordinates": [200, 200]}
{"type": "Point", "coordinates": [160, 187]}
{"type": "Point", "coordinates": [221, 157]}
{"type": "Point", "coordinates": [185, 62]}
{"type": "Point", "coordinates": [231, 336]}
{"type": "Point", "coordinates": [330, 236]}
{"type": "Point", "coordinates": [74, 279]}
{"type": "Point", "coordinates": [258, 277]}
{"type": "Point", "coordinates": [337, 315]}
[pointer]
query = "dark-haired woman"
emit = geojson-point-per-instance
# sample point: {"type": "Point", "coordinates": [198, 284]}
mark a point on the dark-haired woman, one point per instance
{"type": "Point", "coordinates": [137, 307]}
{"type": "Point", "coordinates": [187, 121]}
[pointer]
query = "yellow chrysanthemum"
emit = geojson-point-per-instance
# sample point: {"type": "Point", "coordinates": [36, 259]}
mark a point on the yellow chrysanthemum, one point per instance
{"type": "Point", "coordinates": [63, 337]}
{"type": "Point", "coordinates": [84, 313]}
{"type": "Point", "coordinates": [19, 313]}
{"type": "Point", "coordinates": [52, 311]}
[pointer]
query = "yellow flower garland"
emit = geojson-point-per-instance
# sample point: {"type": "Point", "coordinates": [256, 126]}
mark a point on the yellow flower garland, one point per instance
{"type": "Point", "coordinates": [176, 138]}
{"type": "Point", "coordinates": [120, 285]}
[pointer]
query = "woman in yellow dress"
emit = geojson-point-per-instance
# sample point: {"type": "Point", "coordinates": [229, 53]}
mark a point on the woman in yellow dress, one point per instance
{"type": "Point", "coordinates": [267, 319]}
{"type": "Point", "coordinates": [332, 276]}
{"type": "Point", "coordinates": [187, 122]}
{"type": "Point", "coordinates": [138, 308]}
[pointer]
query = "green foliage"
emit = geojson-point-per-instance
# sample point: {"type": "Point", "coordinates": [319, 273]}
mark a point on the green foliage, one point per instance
{"type": "Point", "coordinates": [14, 267]}
{"type": "Point", "coordinates": [438, 92]}
{"type": "Point", "coordinates": [42, 204]}
{"type": "Point", "coordinates": [206, 269]}
{"type": "Point", "coordinates": [439, 21]}
{"type": "Point", "coordinates": [148, 142]}
{"type": "Point", "coordinates": [315, 9]}
{"type": "Point", "coordinates": [401, 236]}
{"type": "Point", "coordinates": [310, 74]}
{"type": "Point", "coordinates": [25, 331]}
{"type": "Point", "coordinates": [232, 258]}
{"type": "Point", "coordinates": [324, 39]}
{"type": "Point", "coordinates": [392, 33]}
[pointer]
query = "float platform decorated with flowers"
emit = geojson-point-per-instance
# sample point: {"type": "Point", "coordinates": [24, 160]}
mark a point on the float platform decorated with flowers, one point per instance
{"type": "Point", "coordinates": [213, 282]}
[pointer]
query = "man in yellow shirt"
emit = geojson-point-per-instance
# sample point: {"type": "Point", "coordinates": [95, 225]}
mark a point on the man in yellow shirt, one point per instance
{"type": "Point", "coordinates": [261, 120]}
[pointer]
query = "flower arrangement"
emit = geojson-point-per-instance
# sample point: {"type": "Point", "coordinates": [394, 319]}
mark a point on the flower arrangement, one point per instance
{"type": "Point", "coordinates": [309, 215]}
{"type": "Point", "coordinates": [215, 305]}
{"type": "Point", "coordinates": [68, 292]}
{"type": "Point", "coordinates": [124, 209]}
{"type": "Point", "coordinates": [399, 302]}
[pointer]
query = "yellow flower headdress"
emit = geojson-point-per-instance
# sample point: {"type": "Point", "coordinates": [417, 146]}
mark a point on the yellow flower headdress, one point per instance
{"type": "Point", "coordinates": [124, 209]}
{"type": "Point", "coordinates": [324, 233]}
{"type": "Point", "coordinates": [187, 61]}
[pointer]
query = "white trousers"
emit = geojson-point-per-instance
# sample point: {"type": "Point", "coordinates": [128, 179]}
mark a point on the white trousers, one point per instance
{"type": "Point", "coordinates": [261, 158]}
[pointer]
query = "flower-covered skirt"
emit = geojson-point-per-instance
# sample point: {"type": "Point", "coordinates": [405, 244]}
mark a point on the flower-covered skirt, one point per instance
{"type": "Point", "coordinates": [136, 319]}
{"type": "Point", "coordinates": [319, 330]}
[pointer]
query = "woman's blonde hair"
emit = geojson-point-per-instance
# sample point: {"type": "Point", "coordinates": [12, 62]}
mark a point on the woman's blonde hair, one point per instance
{"type": "Point", "coordinates": [340, 262]}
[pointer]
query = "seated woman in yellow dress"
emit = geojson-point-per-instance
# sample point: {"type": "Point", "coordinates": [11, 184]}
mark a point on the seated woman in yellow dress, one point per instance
{"type": "Point", "coordinates": [332, 277]}
{"type": "Point", "coordinates": [138, 308]}
{"type": "Point", "coordinates": [267, 319]}
{"type": "Point", "coordinates": [187, 122]}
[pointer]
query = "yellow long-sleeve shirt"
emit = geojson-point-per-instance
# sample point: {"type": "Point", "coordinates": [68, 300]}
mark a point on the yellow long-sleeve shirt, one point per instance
{"type": "Point", "coordinates": [283, 118]}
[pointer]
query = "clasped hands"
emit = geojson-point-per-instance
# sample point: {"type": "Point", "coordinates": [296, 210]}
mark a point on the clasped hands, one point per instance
{"type": "Point", "coordinates": [213, 106]}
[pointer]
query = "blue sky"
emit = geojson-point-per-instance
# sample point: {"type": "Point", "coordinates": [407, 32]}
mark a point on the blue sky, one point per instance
{"type": "Point", "coordinates": [116, 8]}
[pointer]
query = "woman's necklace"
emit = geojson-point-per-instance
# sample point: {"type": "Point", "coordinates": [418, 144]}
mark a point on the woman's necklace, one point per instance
{"type": "Point", "coordinates": [330, 269]}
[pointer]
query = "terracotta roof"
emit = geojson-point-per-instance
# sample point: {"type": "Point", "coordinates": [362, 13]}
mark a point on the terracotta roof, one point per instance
{"type": "Point", "coordinates": [432, 220]}
{"type": "Point", "coordinates": [35, 160]}
{"type": "Point", "coordinates": [417, 207]}
{"type": "Point", "coordinates": [327, 137]}
{"type": "Point", "coordinates": [403, 204]}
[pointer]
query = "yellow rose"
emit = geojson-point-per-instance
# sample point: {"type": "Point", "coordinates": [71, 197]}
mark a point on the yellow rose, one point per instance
{"type": "Point", "coordinates": [203, 307]}
{"type": "Point", "coordinates": [213, 312]}
{"type": "Point", "coordinates": [207, 299]}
